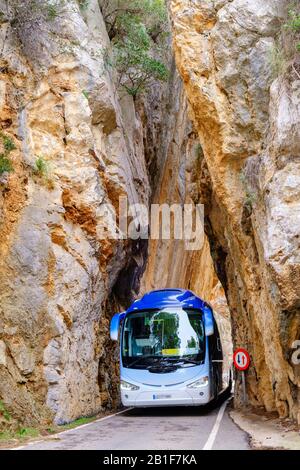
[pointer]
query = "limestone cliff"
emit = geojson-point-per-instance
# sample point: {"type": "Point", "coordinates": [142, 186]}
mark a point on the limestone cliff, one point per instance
{"type": "Point", "coordinates": [248, 125]}
{"type": "Point", "coordinates": [78, 146]}
{"type": "Point", "coordinates": [77, 143]}
{"type": "Point", "coordinates": [182, 178]}
{"type": "Point", "coordinates": [229, 138]}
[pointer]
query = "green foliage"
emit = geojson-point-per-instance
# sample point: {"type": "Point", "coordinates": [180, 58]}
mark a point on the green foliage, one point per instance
{"type": "Point", "coordinates": [152, 13]}
{"type": "Point", "coordinates": [21, 433]}
{"type": "Point", "coordinates": [51, 430]}
{"type": "Point", "coordinates": [3, 411]}
{"type": "Point", "coordinates": [85, 94]}
{"type": "Point", "coordinates": [156, 17]}
{"type": "Point", "coordinates": [8, 143]}
{"type": "Point", "coordinates": [52, 12]}
{"type": "Point", "coordinates": [5, 436]}
{"type": "Point", "coordinates": [83, 4]}
{"type": "Point", "coordinates": [135, 66]}
{"type": "Point", "coordinates": [282, 54]}
{"type": "Point", "coordinates": [78, 422]}
{"type": "Point", "coordinates": [27, 432]}
{"type": "Point", "coordinates": [135, 27]}
{"type": "Point", "coordinates": [41, 167]}
{"type": "Point", "coordinates": [293, 23]}
{"type": "Point", "coordinates": [5, 162]}
{"type": "Point", "coordinates": [277, 60]}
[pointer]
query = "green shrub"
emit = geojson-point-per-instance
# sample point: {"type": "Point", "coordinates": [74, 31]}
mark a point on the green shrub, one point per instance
{"type": "Point", "coordinates": [5, 162]}
{"type": "Point", "coordinates": [21, 433]}
{"type": "Point", "coordinates": [152, 13]}
{"type": "Point", "coordinates": [5, 436]}
{"type": "Point", "coordinates": [41, 167]}
{"type": "Point", "coordinates": [83, 4]}
{"type": "Point", "coordinates": [52, 12]}
{"type": "Point", "coordinates": [135, 27]}
{"type": "Point", "coordinates": [42, 170]}
{"type": "Point", "coordinates": [8, 143]}
{"type": "Point", "coordinates": [3, 411]}
{"type": "Point", "coordinates": [78, 422]}
{"type": "Point", "coordinates": [134, 64]}
{"type": "Point", "coordinates": [277, 60]}
{"type": "Point", "coordinates": [293, 23]}
{"type": "Point", "coordinates": [27, 432]}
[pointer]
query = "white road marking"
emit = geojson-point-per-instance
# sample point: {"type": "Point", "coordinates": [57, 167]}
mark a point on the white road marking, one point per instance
{"type": "Point", "coordinates": [212, 437]}
{"type": "Point", "coordinates": [55, 436]}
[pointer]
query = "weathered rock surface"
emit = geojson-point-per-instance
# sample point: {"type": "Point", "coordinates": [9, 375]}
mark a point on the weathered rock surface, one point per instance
{"type": "Point", "coordinates": [59, 281]}
{"type": "Point", "coordinates": [248, 126]}
{"type": "Point", "coordinates": [182, 178]}
{"type": "Point", "coordinates": [59, 103]}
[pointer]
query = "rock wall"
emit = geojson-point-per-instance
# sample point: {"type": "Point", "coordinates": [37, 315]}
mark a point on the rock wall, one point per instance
{"type": "Point", "coordinates": [248, 125]}
{"type": "Point", "coordinates": [59, 107]}
{"type": "Point", "coordinates": [182, 179]}
{"type": "Point", "coordinates": [76, 145]}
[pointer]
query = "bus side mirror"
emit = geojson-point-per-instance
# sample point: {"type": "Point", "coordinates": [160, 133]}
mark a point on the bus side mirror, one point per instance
{"type": "Point", "coordinates": [208, 321]}
{"type": "Point", "coordinates": [115, 325]}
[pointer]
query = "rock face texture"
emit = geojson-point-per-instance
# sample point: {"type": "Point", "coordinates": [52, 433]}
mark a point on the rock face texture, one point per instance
{"type": "Point", "coordinates": [182, 178]}
{"type": "Point", "coordinates": [59, 106]}
{"type": "Point", "coordinates": [229, 139]}
{"type": "Point", "coordinates": [77, 146]}
{"type": "Point", "coordinates": [248, 125]}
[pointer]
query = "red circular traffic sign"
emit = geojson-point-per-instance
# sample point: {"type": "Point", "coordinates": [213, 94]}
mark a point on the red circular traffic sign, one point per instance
{"type": "Point", "coordinates": [241, 359]}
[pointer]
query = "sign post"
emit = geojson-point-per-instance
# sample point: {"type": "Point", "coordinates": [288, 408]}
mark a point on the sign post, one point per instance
{"type": "Point", "coordinates": [241, 360]}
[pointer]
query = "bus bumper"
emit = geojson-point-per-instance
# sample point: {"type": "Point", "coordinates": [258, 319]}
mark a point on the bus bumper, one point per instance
{"type": "Point", "coordinates": [166, 397]}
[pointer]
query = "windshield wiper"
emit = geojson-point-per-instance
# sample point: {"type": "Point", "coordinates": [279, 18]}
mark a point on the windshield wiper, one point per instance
{"type": "Point", "coordinates": [169, 364]}
{"type": "Point", "coordinates": [162, 361]}
{"type": "Point", "coordinates": [139, 359]}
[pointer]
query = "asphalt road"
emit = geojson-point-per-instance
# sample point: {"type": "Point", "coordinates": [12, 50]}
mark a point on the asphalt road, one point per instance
{"type": "Point", "coordinates": [185, 428]}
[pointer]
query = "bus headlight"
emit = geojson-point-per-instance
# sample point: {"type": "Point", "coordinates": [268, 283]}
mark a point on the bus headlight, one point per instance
{"type": "Point", "coordinates": [127, 386]}
{"type": "Point", "coordinates": [199, 383]}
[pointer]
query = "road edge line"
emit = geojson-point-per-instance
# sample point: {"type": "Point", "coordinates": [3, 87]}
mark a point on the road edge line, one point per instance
{"type": "Point", "coordinates": [53, 436]}
{"type": "Point", "coordinates": [213, 434]}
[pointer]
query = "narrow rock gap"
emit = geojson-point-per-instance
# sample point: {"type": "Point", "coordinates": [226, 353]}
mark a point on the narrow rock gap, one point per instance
{"type": "Point", "coordinates": [179, 141]}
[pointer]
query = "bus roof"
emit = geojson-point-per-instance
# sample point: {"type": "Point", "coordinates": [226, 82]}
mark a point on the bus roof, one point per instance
{"type": "Point", "coordinates": [167, 298]}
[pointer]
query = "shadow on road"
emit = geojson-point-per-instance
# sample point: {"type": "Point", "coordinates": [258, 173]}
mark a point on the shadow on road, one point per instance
{"type": "Point", "coordinates": [181, 410]}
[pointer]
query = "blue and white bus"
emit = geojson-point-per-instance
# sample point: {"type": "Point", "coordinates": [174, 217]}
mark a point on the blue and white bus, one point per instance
{"type": "Point", "coordinates": [170, 351]}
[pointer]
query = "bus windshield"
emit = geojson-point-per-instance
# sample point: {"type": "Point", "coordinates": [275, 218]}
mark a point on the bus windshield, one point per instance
{"type": "Point", "coordinates": [163, 338]}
